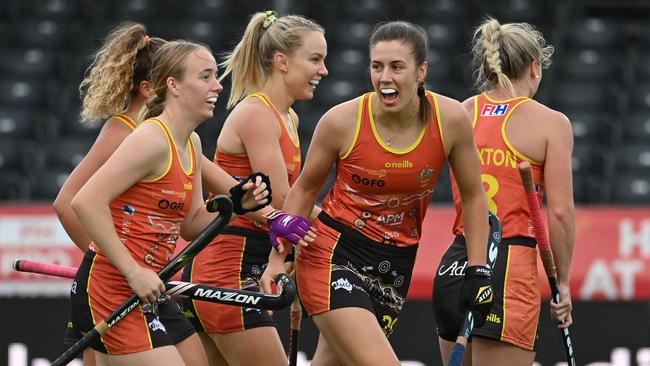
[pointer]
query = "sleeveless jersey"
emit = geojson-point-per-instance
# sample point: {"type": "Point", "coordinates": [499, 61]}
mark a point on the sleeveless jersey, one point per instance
{"type": "Point", "coordinates": [126, 120]}
{"type": "Point", "coordinates": [499, 173]}
{"type": "Point", "coordinates": [148, 215]}
{"type": "Point", "coordinates": [239, 166]}
{"type": "Point", "coordinates": [381, 191]}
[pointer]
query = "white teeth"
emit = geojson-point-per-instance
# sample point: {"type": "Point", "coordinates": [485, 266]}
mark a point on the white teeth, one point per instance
{"type": "Point", "coordinates": [212, 100]}
{"type": "Point", "coordinates": [388, 91]}
{"type": "Point", "coordinates": [314, 82]}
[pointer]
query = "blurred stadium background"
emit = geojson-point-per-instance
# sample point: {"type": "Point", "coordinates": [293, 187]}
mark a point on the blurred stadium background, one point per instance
{"type": "Point", "coordinates": [600, 78]}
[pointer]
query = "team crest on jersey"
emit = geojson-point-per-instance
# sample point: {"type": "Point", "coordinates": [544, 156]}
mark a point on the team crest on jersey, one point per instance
{"type": "Point", "coordinates": [425, 176]}
{"type": "Point", "coordinates": [494, 110]}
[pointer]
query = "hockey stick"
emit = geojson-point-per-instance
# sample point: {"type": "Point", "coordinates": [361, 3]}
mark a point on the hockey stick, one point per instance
{"type": "Point", "coordinates": [545, 252]}
{"type": "Point", "coordinates": [50, 269]}
{"type": "Point", "coordinates": [458, 352]}
{"type": "Point", "coordinates": [220, 203]}
{"type": "Point", "coordinates": [221, 295]}
{"type": "Point", "coordinates": [296, 317]}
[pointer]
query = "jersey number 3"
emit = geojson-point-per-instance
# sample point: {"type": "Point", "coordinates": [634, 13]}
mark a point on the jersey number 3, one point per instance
{"type": "Point", "coordinates": [491, 185]}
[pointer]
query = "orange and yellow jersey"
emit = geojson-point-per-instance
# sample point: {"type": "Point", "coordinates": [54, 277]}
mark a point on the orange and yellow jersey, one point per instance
{"type": "Point", "coordinates": [148, 215]}
{"type": "Point", "coordinates": [499, 174]}
{"type": "Point", "coordinates": [381, 191]}
{"type": "Point", "coordinates": [126, 120]}
{"type": "Point", "coordinates": [239, 166]}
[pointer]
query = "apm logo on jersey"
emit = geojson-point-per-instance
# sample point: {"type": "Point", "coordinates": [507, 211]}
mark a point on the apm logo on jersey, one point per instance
{"type": "Point", "coordinates": [494, 110]}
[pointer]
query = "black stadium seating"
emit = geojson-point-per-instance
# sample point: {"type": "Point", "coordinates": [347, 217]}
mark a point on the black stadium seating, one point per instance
{"type": "Point", "coordinates": [600, 77]}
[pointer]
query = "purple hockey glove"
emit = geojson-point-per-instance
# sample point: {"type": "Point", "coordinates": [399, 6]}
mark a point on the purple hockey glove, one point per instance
{"type": "Point", "coordinates": [283, 225]}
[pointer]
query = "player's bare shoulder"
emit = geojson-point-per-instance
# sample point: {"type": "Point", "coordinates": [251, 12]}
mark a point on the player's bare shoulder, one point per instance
{"type": "Point", "coordinates": [336, 130]}
{"type": "Point", "coordinates": [452, 112]}
{"type": "Point", "coordinates": [469, 104]}
{"type": "Point", "coordinates": [250, 111]}
{"type": "Point", "coordinates": [342, 118]}
{"type": "Point", "coordinates": [545, 116]}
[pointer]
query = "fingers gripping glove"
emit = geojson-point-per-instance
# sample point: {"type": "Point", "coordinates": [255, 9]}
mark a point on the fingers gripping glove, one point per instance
{"type": "Point", "coordinates": [477, 294]}
{"type": "Point", "coordinates": [237, 193]}
{"type": "Point", "coordinates": [283, 225]}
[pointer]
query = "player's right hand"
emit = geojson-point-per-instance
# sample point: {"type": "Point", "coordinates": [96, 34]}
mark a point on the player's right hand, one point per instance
{"type": "Point", "coordinates": [146, 284]}
{"type": "Point", "coordinates": [296, 229]}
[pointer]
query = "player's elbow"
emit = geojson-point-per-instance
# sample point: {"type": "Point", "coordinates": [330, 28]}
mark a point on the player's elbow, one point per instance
{"type": "Point", "coordinates": [62, 202]}
{"type": "Point", "coordinates": [187, 233]}
{"type": "Point", "coordinates": [59, 204]}
{"type": "Point", "coordinates": [79, 203]}
{"type": "Point", "coordinates": [564, 215]}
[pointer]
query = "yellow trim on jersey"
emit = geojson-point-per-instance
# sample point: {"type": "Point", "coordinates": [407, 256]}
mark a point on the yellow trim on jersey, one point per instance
{"type": "Point", "coordinates": [241, 262]}
{"type": "Point", "coordinates": [90, 307]}
{"type": "Point", "coordinates": [475, 119]}
{"type": "Point", "coordinates": [436, 108]}
{"type": "Point", "coordinates": [294, 123]}
{"type": "Point", "coordinates": [90, 272]}
{"type": "Point", "coordinates": [192, 152]}
{"type": "Point", "coordinates": [190, 148]}
{"type": "Point", "coordinates": [126, 120]}
{"type": "Point", "coordinates": [505, 138]}
{"type": "Point", "coordinates": [196, 310]}
{"type": "Point", "coordinates": [505, 284]}
{"type": "Point", "coordinates": [329, 280]}
{"type": "Point", "coordinates": [146, 326]}
{"type": "Point", "coordinates": [169, 146]}
{"type": "Point", "coordinates": [259, 96]}
{"type": "Point", "coordinates": [358, 128]}
{"type": "Point", "coordinates": [381, 142]}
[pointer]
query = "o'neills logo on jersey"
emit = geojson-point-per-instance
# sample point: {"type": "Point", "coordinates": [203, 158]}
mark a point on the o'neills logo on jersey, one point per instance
{"type": "Point", "coordinates": [187, 186]}
{"type": "Point", "coordinates": [494, 110]}
{"type": "Point", "coordinates": [401, 165]}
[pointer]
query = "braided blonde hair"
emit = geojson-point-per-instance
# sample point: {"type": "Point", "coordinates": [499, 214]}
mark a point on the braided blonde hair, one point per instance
{"type": "Point", "coordinates": [501, 53]}
{"type": "Point", "coordinates": [117, 69]}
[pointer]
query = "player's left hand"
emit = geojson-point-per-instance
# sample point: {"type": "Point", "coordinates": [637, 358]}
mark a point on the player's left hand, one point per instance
{"type": "Point", "coordinates": [476, 293]}
{"type": "Point", "coordinates": [562, 310]}
{"type": "Point", "coordinates": [251, 194]}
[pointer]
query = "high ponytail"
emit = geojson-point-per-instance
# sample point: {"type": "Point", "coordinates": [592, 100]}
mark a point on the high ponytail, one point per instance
{"type": "Point", "coordinates": [251, 62]}
{"type": "Point", "coordinates": [113, 77]}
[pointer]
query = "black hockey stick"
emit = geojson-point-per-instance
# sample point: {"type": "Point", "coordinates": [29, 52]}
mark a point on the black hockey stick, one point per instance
{"type": "Point", "coordinates": [207, 293]}
{"type": "Point", "coordinates": [221, 204]}
{"type": "Point", "coordinates": [458, 352]}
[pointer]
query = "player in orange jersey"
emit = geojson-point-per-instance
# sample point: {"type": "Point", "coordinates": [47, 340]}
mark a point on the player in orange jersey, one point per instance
{"type": "Point", "coordinates": [278, 61]}
{"type": "Point", "coordinates": [389, 147]}
{"type": "Point", "coordinates": [116, 89]}
{"type": "Point", "coordinates": [137, 204]}
{"type": "Point", "coordinates": [509, 127]}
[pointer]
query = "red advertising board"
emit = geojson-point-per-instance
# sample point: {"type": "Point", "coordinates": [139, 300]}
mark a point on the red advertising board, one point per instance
{"type": "Point", "coordinates": [611, 259]}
